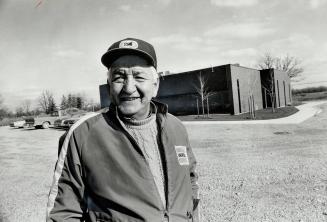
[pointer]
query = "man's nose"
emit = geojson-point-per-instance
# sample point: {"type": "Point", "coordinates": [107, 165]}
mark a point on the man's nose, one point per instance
{"type": "Point", "coordinates": [129, 86]}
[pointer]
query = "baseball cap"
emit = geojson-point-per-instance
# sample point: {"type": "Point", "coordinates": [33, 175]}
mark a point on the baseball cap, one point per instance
{"type": "Point", "coordinates": [129, 46]}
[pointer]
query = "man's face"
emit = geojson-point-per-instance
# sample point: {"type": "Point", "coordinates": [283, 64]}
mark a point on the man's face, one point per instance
{"type": "Point", "coordinates": [132, 85]}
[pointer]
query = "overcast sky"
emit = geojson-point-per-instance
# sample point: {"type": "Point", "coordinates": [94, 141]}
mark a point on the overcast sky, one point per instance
{"type": "Point", "coordinates": [57, 44]}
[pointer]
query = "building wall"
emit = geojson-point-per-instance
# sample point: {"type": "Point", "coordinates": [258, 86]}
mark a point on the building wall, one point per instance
{"type": "Point", "coordinates": [246, 89]}
{"type": "Point", "coordinates": [282, 88]}
{"type": "Point", "coordinates": [179, 91]}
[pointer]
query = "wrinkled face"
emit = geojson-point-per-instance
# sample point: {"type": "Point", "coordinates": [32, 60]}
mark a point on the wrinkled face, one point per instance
{"type": "Point", "coordinates": [132, 83]}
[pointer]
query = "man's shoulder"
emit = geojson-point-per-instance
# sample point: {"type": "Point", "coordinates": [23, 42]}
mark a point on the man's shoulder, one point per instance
{"type": "Point", "coordinates": [174, 122]}
{"type": "Point", "coordinates": [173, 119]}
{"type": "Point", "coordinates": [79, 129]}
{"type": "Point", "coordinates": [85, 123]}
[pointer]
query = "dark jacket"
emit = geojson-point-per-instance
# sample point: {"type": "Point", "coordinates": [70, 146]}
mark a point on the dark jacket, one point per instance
{"type": "Point", "coordinates": [102, 175]}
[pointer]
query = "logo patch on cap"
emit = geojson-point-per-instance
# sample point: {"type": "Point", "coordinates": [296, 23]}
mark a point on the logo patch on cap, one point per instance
{"type": "Point", "coordinates": [130, 44]}
{"type": "Point", "coordinates": [182, 155]}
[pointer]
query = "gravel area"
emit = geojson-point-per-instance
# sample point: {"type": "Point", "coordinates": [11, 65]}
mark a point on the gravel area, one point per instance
{"type": "Point", "coordinates": [247, 172]}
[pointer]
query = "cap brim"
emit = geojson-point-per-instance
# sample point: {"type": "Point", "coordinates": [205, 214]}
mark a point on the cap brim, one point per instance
{"type": "Point", "coordinates": [110, 56]}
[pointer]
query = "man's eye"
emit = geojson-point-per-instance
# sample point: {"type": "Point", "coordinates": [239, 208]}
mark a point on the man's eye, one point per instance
{"type": "Point", "coordinates": [139, 78]}
{"type": "Point", "coordinates": [117, 79]}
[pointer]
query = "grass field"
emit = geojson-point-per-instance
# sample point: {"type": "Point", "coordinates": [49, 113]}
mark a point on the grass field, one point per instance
{"type": "Point", "coordinates": [247, 172]}
{"type": "Point", "coordinates": [259, 115]}
{"type": "Point", "coordinates": [263, 172]}
{"type": "Point", "coordinates": [310, 96]}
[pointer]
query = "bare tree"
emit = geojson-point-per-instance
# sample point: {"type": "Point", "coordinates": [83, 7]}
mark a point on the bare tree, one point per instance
{"type": "Point", "coordinates": [251, 101]}
{"type": "Point", "coordinates": [63, 104]}
{"type": "Point", "coordinates": [19, 111]}
{"type": "Point", "coordinates": [290, 64]}
{"type": "Point", "coordinates": [201, 87]}
{"type": "Point", "coordinates": [26, 105]}
{"type": "Point", "coordinates": [3, 109]}
{"type": "Point", "coordinates": [206, 97]}
{"type": "Point", "coordinates": [46, 101]}
{"type": "Point", "coordinates": [269, 86]}
{"type": "Point", "coordinates": [1, 101]}
{"type": "Point", "coordinates": [267, 61]}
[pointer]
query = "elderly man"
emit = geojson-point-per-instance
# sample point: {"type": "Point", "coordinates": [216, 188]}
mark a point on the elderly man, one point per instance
{"type": "Point", "coordinates": [132, 163]}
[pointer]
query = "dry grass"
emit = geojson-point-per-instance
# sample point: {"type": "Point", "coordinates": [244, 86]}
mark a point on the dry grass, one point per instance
{"type": "Point", "coordinates": [27, 160]}
{"type": "Point", "coordinates": [260, 115]}
{"type": "Point", "coordinates": [310, 96]}
{"type": "Point", "coordinates": [263, 172]}
{"type": "Point", "coordinates": [247, 172]}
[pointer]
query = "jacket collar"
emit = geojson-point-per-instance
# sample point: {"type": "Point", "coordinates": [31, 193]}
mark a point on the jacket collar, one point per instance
{"type": "Point", "coordinates": [161, 107]}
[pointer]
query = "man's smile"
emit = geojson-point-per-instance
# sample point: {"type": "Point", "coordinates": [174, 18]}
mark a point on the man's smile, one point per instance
{"type": "Point", "coordinates": [128, 98]}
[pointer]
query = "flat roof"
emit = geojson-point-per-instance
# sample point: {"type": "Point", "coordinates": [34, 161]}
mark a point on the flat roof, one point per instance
{"type": "Point", "coordinates": [212, 67]}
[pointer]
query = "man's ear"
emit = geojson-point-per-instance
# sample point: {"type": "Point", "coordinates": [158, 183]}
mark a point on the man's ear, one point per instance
{"type": "Point", "coordinates": [108, 89]}
{"type": "Point", "coordinates": [108, 86]}
{"type": "Point", "coordinates": [156, 85]}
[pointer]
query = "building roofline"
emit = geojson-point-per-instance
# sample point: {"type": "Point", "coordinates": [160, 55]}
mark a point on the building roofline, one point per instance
{"type": "Point", "coordinates": [196, 70]}
{"type": "Point", "coordinates": [273, 69]}
{"type": "Point", "coordinates": [244, 67]}
{"type": "Point", "coordinates": [212, 67]}
{"type": "Point", "coordinates": [267, 69]}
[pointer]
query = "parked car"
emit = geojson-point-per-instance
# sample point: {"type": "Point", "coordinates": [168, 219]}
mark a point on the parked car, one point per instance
{"type": "Point", "coordinates": [59, 123]}
{"type": "Point", "coordinates": [69, 122]}
{"type": "Point", "coordinates": [40, 122]}
{"type": "Point", "coordinates": [18, 124]}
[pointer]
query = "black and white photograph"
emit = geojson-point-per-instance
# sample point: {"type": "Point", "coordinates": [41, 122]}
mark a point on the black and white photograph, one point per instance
{"type": "Point", "coordinates": [163, 111]}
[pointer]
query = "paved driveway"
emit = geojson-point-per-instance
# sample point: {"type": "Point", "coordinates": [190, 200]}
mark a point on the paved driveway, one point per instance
{"type": "Point", "coordinates": [305, 112]}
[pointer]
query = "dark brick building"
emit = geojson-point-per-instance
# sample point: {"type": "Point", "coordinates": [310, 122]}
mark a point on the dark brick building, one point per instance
{"type": "Point", "coordinates": [234, 90]}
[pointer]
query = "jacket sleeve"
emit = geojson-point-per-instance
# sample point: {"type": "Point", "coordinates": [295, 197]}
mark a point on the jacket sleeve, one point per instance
{"type": "Point", "coordinates": [61, 142]}
{"type": "Point", "coordinates": [66, 195]}
{"type": "Point", "coordinates": [194, 182]}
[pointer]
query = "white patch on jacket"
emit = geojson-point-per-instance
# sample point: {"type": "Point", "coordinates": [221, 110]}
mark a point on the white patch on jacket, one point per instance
{"type": "Point", "coordinates": [182, 157]}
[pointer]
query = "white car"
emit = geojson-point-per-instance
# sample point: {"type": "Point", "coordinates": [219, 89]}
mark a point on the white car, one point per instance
{"type": "Point", "coordinates": [18, 124]}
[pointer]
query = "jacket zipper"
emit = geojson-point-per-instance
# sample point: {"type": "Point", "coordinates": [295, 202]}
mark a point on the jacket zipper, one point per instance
{"type": "Point", "coordinates": [165, 168]}
{"type": "Point", "coordinates": [130, 137]}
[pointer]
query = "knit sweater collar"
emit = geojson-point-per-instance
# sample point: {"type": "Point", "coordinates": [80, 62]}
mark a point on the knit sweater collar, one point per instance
{"type": "Point", "coordinates": [140, 124]}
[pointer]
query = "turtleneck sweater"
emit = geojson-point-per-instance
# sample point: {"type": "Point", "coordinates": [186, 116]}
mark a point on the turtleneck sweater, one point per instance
{"type": "Point", "coordinates": [145, 133]}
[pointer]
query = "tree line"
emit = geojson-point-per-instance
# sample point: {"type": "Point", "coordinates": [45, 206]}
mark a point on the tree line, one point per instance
{"type": "Point", "coordinates": [45, 103]}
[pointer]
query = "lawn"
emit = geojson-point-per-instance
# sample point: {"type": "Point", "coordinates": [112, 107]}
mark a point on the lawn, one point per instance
{"type": "Point", "coordinates": [259, 115]}
{"type": "Point", "coordinates": [247, 172]}
{"type": "Point", "coordinates": [310, 96]}
{"type": "Point", "coordinates": [263, 172]}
